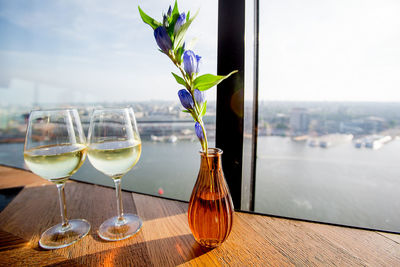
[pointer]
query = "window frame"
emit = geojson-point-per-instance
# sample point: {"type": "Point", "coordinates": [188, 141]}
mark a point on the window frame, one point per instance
{"type": "Point", "coordinates": [238, 142]}
{"type": "Point", "coordinates": [237, 128]}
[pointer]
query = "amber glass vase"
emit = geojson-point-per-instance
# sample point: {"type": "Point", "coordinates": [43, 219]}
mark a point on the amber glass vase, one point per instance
{"type": "Point", "coordinates": [210, 211]}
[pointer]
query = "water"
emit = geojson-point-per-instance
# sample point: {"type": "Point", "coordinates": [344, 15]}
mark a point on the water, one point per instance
{"type": "Point", "coordinates": [341, 184]}
{"type": "Point", "coordinates": [173, 167]}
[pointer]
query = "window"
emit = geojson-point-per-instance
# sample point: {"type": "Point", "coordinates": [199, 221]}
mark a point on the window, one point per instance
{"type": "Point", "coordinates": [328, 120]}
{"type": "Point", "coordinates": [89, 54]}
{"type": "Point", "coordinates": [309, 126]}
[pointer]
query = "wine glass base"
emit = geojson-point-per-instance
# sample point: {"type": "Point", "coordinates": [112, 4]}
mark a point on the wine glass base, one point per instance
{"type": "Point", "coordinates": [114, 230]}
{"type": "Point", "coordinates": [56, 237]}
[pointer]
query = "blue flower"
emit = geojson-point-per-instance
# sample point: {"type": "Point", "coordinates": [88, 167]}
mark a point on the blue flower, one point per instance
{"type": "Point", "coordinates": [186, 99]}
{"type": "Point", "coordinates": [165, 21]}
{"type": "Point", "coordinates": [199, 131]}
{"type": "Point", "coordinates": [199, 96]}
{"type": "Point", "coordinates": [163, 40]}
{"type": "Point", "coordinates": [179, 22]}
{"type": "Point", "coordinates": [191, 62]}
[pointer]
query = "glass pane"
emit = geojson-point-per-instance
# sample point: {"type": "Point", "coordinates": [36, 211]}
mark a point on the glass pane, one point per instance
{"type": "Point", "coordinates": [329, 112]}
{"type": "Point", "coordinates": [87, 54]}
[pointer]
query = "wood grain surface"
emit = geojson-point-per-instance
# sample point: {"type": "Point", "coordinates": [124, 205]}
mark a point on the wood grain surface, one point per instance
{"type": "Point", "coordinates": [165, 239]}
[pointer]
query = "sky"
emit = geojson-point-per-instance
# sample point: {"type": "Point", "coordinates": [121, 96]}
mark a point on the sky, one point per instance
{"type": "Point", "coordinates": [88, 51]}
{"type": "Point", "coordinates": [330, 50]}
{"type": "Point", "coordinates": [98, 50]}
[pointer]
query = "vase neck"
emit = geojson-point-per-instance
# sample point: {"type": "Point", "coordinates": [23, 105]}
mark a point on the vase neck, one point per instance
{"type": "Point", "coordinates": [212, 160]}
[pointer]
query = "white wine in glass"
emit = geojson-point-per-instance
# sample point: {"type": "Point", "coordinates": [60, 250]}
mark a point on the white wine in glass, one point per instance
{"type": "Point", "coordinates": [114, 147]}
{"type": "Point", "coordinates": [55, 149]}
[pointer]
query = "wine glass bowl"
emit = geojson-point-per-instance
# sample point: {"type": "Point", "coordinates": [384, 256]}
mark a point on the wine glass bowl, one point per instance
{"type": "Point", "coordinates": [114, 147]}
{"type": "Point", "coordinates": [55, 149]}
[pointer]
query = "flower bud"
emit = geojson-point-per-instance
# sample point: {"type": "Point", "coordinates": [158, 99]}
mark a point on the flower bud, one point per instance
{"type": "Point", "coordinates": [191, 62]}
{"type": "Point", "coordinates": [179, 22]}
{"type": "Point", "coordinates": [199, 131]}
{"type": "Point", "coordinates": [198, 58]}
{"type": "Point", "coordinates": [186, 99]}
{"type": "Point", "coordinates": [165, 21]}
{"type": "Point", "coordinates": [199, 96]}
{"type": "Point", "coordinates": [169, 11]}
{"type": "Point", "coordinates": [163, 40]}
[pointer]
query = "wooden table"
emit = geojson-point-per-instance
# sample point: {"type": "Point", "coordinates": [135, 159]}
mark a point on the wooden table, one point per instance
{"type": "Point", "coordinates": [165, 239]}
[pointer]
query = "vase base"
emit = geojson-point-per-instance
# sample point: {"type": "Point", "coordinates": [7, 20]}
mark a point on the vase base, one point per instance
{"type": "Point", "coordinates": [209, 243]}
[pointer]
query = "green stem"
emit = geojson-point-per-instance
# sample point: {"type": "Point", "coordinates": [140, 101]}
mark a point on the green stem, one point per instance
{"type": "Point", "coordinates": [189, 87]}
{"type": "Point", "coordinates": [195, 113]}
{"type": "Point", "coordinates": [188, 83]}
{"type": "Point", "coordinates": [203, 128]}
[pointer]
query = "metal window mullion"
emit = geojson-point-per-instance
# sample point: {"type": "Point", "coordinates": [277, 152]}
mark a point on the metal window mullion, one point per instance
{"type": "Point", "coordinates": [230, 101]}
{"type": "Point", "coordinates": [251, 107]}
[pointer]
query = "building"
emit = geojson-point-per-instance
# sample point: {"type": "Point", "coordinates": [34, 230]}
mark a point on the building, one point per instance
{"type": "Point", "coordinates": [299, 121]}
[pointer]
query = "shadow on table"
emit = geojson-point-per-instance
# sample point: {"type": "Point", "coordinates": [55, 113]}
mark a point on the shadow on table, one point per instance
{"type": "Point", "coordinates": [169, 251]}
{"type": "Point", "coordinates": [7, 195]}
{"type": "Point", "coordinates": [40, 205]}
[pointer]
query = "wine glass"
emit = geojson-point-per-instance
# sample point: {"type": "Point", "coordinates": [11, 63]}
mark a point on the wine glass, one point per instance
{"type": "Point", "coordinates": [114, 147]}
{"type": "Point", "coordinates": [55, 149]}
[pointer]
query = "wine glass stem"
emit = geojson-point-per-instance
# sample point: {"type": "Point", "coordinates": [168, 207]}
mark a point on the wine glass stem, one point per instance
{"type": "Point", "coordinates": [63, 208]}
{"type": "Point", "coordinates": [117, 182]}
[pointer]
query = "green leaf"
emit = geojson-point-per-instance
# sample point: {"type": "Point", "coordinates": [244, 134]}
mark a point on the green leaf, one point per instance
{"type": "Point", "coordinates": [149, 20]}
{"type": "Point", "coordinates": [172, 21]}
{"type": "Point", "coordinates": [179, 79]}
{"type": "Point", "coordinates": [175, 11]}
{"type": "Point", "coordinates": [206, 81]}
{"type": "Point", "coordinates": [190, 112]}
{"type": "Point", "coordinates": [191, 44]}
{"type": "Point", "coordinates": [180, 35]}
{"type": "Point", "coordinates": [203, 109]}
{"type": "Point", "coordinates": [171, 27]}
